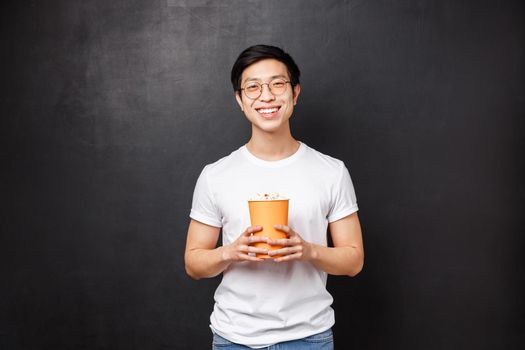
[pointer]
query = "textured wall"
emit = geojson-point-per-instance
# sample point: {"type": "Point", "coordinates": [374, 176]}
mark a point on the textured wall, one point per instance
{"type": "Point", "coordinates": [112, 108]}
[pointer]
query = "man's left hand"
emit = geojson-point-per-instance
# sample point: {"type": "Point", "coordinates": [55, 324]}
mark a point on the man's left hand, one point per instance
{"type": "Point", "coordinates": [293, 247]}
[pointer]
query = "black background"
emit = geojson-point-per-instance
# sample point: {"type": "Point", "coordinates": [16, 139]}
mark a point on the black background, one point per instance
{"type": "Point", "coordinates": [110, 109]}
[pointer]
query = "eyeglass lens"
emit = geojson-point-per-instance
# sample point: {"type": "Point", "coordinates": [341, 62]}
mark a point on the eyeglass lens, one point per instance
{"type": "Point", "coordinates": [254, 89]}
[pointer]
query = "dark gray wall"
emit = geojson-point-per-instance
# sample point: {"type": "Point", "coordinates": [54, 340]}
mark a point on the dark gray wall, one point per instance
{"type": "Point", "coordinates": [110, 109]}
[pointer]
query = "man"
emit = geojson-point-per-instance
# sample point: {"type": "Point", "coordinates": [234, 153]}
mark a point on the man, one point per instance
{"type": "Point", "coordinates": [283, 300]}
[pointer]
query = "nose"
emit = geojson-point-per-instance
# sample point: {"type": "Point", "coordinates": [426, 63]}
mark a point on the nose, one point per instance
{"type": "Point", "coordinates": [266, 93]}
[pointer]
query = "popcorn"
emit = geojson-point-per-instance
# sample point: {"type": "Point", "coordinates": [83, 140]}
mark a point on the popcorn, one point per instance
{"type": "Point", "coordinates": [273, 196]}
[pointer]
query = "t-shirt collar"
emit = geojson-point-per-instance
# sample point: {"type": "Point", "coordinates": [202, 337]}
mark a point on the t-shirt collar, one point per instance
{"type": "Point", "coordinates": [273, 163]}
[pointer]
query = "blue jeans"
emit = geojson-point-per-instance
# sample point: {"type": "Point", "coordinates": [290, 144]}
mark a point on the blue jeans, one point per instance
{"type": "Point", "coordinates": [320, 341]}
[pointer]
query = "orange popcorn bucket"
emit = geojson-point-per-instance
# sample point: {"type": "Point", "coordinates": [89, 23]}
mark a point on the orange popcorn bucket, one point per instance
{"type": "Point", "coordinates": [267, 213]}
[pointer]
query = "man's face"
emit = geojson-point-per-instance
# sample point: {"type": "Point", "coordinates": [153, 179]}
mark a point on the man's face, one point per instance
{"type": "Point", "coordinates": [269, 112]}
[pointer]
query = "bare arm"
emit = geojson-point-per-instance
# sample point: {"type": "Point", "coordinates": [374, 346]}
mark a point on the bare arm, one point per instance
{"type": "Point", "coordinates": [204, 259]}
{"type": "Point", "coordinates": [345, 258]}
{"type": "Point", "coordinates": [347, 255]}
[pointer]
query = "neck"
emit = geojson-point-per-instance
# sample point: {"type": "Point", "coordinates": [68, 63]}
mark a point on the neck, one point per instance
{"type": "Point", "coordinates": [272, 146]}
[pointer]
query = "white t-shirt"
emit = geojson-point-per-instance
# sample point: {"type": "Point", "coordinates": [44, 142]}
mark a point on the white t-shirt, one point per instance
{"type": "Point", "coordinates": [258, 304]}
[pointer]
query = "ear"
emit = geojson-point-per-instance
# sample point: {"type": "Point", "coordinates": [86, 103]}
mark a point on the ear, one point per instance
{"type": "Point", "coordinates": [239, 99]}
{"type": "Point", "coordinates": [296, 92]}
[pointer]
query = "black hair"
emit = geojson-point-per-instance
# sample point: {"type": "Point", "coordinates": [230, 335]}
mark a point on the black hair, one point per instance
{"type": "Point", "coordinates": [257, 53]}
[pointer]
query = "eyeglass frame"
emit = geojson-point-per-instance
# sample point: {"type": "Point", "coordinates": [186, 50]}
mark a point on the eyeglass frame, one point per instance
{"type": "Point", "coordinates": [269, 88]}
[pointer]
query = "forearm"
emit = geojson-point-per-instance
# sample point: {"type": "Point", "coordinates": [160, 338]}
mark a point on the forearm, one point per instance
{"type": "Point", "coordinates": [205, 263]}
{"type": "Point", "coordinates": [347, 260]}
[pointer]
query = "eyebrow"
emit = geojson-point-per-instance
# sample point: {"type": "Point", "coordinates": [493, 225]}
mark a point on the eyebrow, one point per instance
{"type": "Point", "coordinates": [271, 78]}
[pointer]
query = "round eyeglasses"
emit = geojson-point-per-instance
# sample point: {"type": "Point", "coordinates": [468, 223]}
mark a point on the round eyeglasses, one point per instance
{"type": "Point", "coordinates": [253, 89]}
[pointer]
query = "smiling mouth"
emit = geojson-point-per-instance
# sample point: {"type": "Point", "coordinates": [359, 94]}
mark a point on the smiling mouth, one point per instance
{"type": "Point", "coordinates": [267, 112]}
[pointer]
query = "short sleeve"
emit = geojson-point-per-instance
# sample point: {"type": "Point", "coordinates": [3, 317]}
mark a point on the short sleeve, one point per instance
{"type": "Point", "coordinates": [203, 208]}
{"type": "Point", "coordinates": [343, 198]}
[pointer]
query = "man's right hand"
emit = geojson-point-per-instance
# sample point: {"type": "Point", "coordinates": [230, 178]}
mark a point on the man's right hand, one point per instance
{"type": "Point", "coordinates": [203, 259]}
{"type": "Point", "coordinates": [241, 248]}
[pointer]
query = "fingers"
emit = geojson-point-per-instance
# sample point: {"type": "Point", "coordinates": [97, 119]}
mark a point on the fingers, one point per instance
{"type": "Point", "coordinates": [281, 242]}
{"type": "Point", "coordinates": [285, 241]}
{"type": "Point", "coordinates": [291, 248]}
{"type": "Point", "coordinates": [248, 252]}
{"type": "Point", "coordinates": [251, 249]}
{"type": "Point", "coordinates": [252, 229]}
{"type": "Point", "coordinates": [246, 257]}
{"type": "Point", "coordinates": [283, 228]}
{"type": "Point", "coordinates": [249, 238]}
{"type": "Point", "coordinates": [287, 251]}
{"type": "Point", "coordinates": [243, 247]}
{"type": "Point", "coordinates": [255, 239]}
{"type": "Point", "coordinates": [295, 256]}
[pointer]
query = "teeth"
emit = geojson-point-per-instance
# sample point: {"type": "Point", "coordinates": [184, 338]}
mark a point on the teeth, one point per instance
{"type": "Point", "coordinates": [267, 110]}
